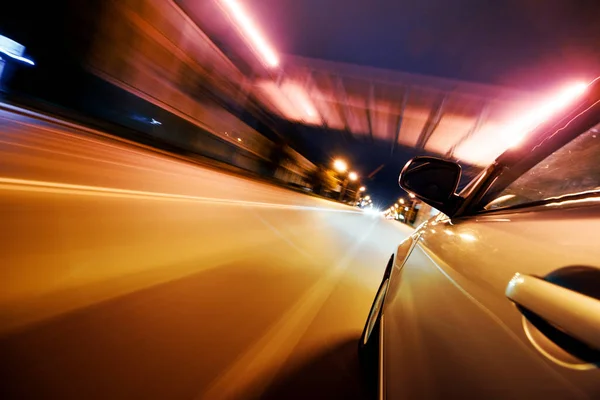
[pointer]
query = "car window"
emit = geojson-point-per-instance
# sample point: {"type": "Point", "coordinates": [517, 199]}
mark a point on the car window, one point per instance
{"type": "Point", "coordinates": [572, 169]}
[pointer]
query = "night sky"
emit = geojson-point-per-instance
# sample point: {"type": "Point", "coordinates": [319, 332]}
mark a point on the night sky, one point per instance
{"type": "Point", "coordinates": [522, 43]}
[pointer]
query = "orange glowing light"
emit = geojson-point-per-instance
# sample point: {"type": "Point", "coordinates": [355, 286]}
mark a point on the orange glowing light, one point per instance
{"type": "Point", "coordinates": [300, 98]}
{"type": "Point", "coordinates": [291, 100]}
{"type": "Point", "coordinates": [340, 165]}
{"type": "Point", "coordinates": [281, 102]}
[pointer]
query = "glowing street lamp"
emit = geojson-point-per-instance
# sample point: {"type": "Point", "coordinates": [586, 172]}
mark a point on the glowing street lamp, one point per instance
{"type": "Point", "coordinates": [401, 201]}
{"type": "Point", "coordinates": [251, 32]}
{"type": "Point", "coordinates": [412, 196]}
{"type": "Point", "coordinates": [362, 189]}
{"type": "Point", "coordinates": [353, 176]}
{"type": "Point", "coordinates": [368, 198]}
{"type": "Point", "coordinates": [340, 165]}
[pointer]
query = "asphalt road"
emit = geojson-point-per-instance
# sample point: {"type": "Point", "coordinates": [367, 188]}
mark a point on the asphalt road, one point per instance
{"type": "Point", "coordinates": [127, 274]}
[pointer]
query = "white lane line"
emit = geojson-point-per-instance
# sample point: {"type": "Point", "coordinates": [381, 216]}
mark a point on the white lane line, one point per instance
{"type": "Point", "coordinates": [23, 185]}
{"type": "Point", "coordinates": [254, 370]}
{"type": "Point", "coordinates": [283, 237]}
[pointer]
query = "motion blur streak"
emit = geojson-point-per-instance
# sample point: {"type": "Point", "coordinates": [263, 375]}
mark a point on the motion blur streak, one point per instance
{"type": "Point", "coordinates": [127, 273]}
{"type": "Point", "coordinates": [279, 342]}
{"type": "Point", "coordinates": [519, 128]}
{"type": "Point", "coordinates": [249, 28]}
{"type": "Point", "coordinates": [54, 187]}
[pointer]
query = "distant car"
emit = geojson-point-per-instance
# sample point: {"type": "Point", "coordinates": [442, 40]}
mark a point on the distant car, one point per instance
{"type": "Point", "coordinates": [498, 297]}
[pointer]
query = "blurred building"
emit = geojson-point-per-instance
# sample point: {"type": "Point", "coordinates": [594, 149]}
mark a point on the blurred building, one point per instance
{"type": "Point", "coordinates": [152, 50]}
{"type": "Point", "coordinates": [142, 69]}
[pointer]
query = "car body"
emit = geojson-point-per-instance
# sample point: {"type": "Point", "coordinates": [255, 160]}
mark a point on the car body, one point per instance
{"type": "Point", "coordinates": [498, 296]}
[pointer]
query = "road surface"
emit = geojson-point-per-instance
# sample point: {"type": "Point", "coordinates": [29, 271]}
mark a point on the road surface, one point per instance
{"type": "Point", "coordinates": [128, 274]}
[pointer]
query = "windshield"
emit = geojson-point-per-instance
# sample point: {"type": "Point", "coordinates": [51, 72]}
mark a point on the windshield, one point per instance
{"type": "Point", "coordinates": [571, 170]}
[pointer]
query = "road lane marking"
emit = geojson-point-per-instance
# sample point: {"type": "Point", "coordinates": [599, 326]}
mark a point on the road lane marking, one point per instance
{"type": "Point", "coordinates": [255, 369]}
{"type": "Point", "coordinates": [23, 185]}
{"type": "Point", "coordinates": [283, 237]}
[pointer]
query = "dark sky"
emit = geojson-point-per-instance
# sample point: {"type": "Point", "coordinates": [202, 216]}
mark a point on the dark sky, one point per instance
{"type": "Point", "coordinates": [529, 43]}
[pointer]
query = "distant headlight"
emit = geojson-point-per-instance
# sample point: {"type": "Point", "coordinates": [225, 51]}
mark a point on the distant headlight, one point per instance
{"type": "Point", "coordinates": [372, 211]}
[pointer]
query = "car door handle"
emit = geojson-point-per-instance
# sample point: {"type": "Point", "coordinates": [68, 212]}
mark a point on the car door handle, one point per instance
{"type": "Point", "coordinates": [575, 314]}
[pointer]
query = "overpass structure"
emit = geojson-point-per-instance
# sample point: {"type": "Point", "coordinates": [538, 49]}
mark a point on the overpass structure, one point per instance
{"type": "Point", "coordinates": [458, 120]}
{"type": "Point", "coordinates": [175, 52]}
{"type": "Point", "coordinates": [466, 121]}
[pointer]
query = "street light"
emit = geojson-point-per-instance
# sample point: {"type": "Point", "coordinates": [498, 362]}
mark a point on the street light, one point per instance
{"type": "Point", "coordinates": [368, 198]}
{"type": "Point", "coordinates": [412, 196]}
{"type": "Point", "coordinates": [395, 205]}
{"type": "Point", "coordinates": [340, 165]}
{"type": "Point", "coordinates": [358, 192]}
{"type": "Point", "coordinates": [401, 201]}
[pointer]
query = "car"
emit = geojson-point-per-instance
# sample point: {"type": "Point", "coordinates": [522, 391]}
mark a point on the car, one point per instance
{"type": "Point", "coordinates": [498, 296]}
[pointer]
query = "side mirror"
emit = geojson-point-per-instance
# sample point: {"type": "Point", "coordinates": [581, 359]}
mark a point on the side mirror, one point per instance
{"type": "Point", "coordinates": [433, 181]}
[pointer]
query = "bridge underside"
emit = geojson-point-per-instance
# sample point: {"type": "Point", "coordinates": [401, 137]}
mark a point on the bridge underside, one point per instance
{"type": "Point", "coordinates": [464, 121]}
{"type": "Point", "coordinates": [458, 120]}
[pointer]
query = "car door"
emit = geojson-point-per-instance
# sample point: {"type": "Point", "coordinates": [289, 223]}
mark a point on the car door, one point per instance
{"type": "Point", "coordinates": [449, 329]}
